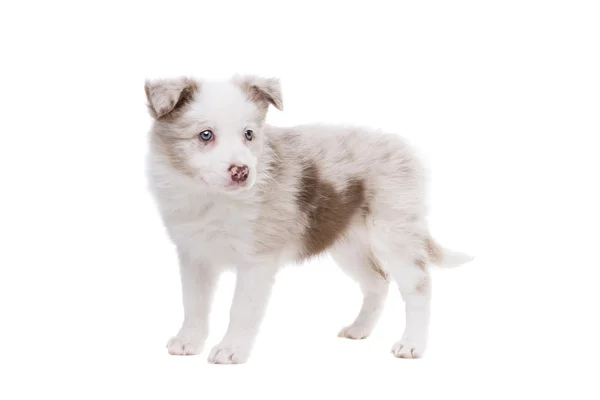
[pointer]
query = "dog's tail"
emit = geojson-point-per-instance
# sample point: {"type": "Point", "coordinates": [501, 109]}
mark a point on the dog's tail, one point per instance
{"type": "Point", "coordinates": [444, 257]}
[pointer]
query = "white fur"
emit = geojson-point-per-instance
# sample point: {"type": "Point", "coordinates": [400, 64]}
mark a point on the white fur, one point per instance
{"type": "Point", "coordinates": [258, 228]}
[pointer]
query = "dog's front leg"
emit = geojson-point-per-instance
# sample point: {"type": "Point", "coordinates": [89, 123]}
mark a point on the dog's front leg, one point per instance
{"type": "Point", "coordinates": [198, 281]}
{"type": "Point", "coordinates": [252, 292]}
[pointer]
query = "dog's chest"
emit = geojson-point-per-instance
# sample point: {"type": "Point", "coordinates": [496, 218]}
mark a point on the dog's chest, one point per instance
{"type": "Point", "coordinates": [218, 232]}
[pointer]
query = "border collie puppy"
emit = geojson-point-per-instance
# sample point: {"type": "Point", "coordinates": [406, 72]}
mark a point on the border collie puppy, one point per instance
{"type": "Point", "coordinates": [235, 192]}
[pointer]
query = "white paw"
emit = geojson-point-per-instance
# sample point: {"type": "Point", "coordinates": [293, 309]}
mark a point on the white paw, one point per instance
{"type": "Point", "coordinates": [181, 346]}
{"type": "Point", "coordinates": [405, 349]}
{"type": "Point", "coordinates": [227, 354]}
{"type": "Point", "coordinates": [355, 332]}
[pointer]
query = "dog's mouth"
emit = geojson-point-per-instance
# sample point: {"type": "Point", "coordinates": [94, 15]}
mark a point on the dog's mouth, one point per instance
{"type": "Point", "coordinates": [237, 186]}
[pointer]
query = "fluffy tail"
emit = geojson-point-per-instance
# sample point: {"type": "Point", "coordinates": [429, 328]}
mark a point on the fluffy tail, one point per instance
{"type": "Point", "coordinates": [444, 257]}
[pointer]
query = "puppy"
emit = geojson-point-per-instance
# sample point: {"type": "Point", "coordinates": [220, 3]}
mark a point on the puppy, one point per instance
{"type": "Point", "coordinates": [233, 191]}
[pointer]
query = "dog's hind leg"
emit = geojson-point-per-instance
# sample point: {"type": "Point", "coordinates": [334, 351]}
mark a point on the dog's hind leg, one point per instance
{"type": "Point", "coordinates": [405, 257]}
{"type": "Point", "coordinates": [358, 261]}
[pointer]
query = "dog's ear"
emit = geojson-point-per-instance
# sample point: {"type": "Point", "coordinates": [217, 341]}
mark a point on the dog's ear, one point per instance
{"type": "Point", "coordinates": [261, 90]}
{"type": "Point", "coordinates": [168, 95]}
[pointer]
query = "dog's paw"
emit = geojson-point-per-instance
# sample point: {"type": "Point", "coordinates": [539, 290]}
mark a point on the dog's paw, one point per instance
{"type": "Point", "coordinates": [181, 346]}
{"type": "Point", "coordinates": [228, 354]}
{"type": "Point", "coordinates": [405, 349]}
{"type": "Point", "coordinates": [355, 332]}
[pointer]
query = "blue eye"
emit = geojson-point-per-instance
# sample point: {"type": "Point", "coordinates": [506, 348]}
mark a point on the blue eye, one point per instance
{"type": "Point", "coordinates": [206, 135]}
{"type": "Point", "coordinates": [249, 135]}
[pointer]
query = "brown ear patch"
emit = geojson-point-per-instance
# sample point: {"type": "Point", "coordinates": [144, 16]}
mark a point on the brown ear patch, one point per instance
{"type": "Point", "coordinates": [328, 213]}
{"type": "Point", "coordinates": [261, 91]}
{"type": "Point", "coordinates": [167, 98]}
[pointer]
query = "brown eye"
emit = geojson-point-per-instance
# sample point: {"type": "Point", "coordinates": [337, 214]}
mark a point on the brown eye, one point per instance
{"type": "Point", "coordinates": [206, 135]}
{"type": "Point", "coordinates": [249, 135]}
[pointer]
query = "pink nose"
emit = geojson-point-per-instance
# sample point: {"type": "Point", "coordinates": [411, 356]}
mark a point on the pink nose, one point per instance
{"type": "Point", "coordinates": [239, 173]}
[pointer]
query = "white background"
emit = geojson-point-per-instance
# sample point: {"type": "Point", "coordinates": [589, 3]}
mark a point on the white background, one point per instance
{"type": "Point", "coordinates": [502, 99]}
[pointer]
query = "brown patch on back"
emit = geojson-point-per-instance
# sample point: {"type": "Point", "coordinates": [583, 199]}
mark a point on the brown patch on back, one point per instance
{"type": "Point", "coordinates": [328, 212]}
{"type": "Point", "coordinates": [421, 264]}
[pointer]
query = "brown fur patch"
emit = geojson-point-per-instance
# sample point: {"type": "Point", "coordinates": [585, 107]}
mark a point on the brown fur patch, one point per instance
{"type": "Point", "coordinates": [175, 95]}
{"type": "Point", "coordinates": [328, 212]}
{"type": "Point", "coordinates": [168, 146]}
{"type": "Point", "coordinates": [432, 250]}
{"type": "Point", "coordinates": [421, 264]}
{"type": "Point", "coordinates": [261, 91]}
{"type": "Point", "coordinates": [424, 285]}
{"type": "Point", "coordinates": [256, 96]}
{"type": "Point", "coordinates": [376, 266]}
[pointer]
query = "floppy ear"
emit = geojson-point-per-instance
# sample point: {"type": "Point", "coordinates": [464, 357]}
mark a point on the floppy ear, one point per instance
{"type": "Point", "coordinates": [261, 90]}
{"type": "Point", "coordinates": [167, 95]}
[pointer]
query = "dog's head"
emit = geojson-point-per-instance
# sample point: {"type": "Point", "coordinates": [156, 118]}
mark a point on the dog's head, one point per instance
{"type": "Point", "coordinates": [212, 132]}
